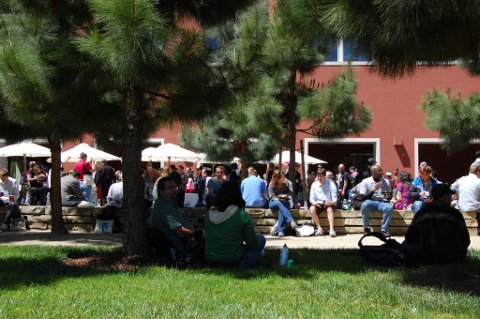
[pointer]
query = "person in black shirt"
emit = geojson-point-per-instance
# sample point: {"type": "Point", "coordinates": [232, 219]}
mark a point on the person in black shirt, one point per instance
{"type": "Point", "coordinates": [344, 185]}
{"type": "Point", "coordinates": [438, 233]}
{"type": "Point", "coordinates": [366, 172]}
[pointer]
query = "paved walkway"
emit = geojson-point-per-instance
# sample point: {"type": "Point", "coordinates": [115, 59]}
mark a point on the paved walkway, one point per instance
{"type": "Point", "coordinates": [115, 240]}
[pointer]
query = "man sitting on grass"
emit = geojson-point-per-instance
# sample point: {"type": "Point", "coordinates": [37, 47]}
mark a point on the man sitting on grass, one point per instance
{"type": "Point", "coordinates": [169, 220]}
{"type": "Point", "coordinates": [438, 233]}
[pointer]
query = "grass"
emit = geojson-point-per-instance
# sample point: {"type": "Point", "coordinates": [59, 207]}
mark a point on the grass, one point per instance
{"type": "Point", "coordinates": [35, 283]}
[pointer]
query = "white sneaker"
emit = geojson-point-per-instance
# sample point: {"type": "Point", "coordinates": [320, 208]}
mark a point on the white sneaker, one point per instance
{"type": "Point", "coordinates": [293, 224]}
{"type": "Point", "coordinates": [274, 229]}
{"type": "Point", "coordinates": [318, 232]}
{"type": "Point", "coordinates": [280, 234]}
{"type": "Point", "coordinates": [332, 233]}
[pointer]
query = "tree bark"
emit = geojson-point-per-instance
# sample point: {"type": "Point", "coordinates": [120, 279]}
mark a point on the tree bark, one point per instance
{"type": "Point", "coordinates": [135, 240]}
{"type": "Point", "coordinates": [58, 225]}
{"type": "Point", "coordinates": [292, 127]}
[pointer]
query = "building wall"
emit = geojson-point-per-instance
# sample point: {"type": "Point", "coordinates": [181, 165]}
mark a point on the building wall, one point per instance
{"type": "Point", "coordinates": [396, 117]}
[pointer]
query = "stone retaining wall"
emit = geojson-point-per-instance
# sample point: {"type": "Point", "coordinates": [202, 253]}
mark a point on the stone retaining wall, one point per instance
{"type": "Point", "coordinates": [346, 222]}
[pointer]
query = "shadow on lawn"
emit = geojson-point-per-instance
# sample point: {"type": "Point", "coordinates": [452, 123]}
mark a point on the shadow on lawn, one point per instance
{"type": "Point", "coordinates": [43, 270]}
{"type": "Point", "coordinates": [81, 262]}
{"type": "Point", "coordinates": [463, 277]}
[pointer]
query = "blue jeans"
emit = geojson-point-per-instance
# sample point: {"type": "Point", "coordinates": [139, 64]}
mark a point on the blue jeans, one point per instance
{"type": "Point", "coordinates": [417, 205]}
{"type": "Point", "coordinates": [284, 215]}
{"type": "Point", "coordinates": [370, 206]}
{"type": "Point", "coordinates": [251, 255]}
{"type": "Point", "coordinates": [87, 189]}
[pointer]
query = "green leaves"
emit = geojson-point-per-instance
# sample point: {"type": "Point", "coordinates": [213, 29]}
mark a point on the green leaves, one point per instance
{"type": "Point", "coordinates": [333, 110]}
{"type": "Point", "coordinates": [129, 39]}
{"type": "Point", "coordinates": [400, 33]}
{"type": "Point", "coordinates": [455, 118]}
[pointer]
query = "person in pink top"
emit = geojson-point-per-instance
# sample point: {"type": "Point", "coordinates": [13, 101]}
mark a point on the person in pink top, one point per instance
{"type": "Point", "coordinates": [403, 191]}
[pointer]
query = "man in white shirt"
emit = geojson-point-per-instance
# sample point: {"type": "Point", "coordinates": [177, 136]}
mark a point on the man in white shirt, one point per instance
{"type": "Point", "coordinates": [323, 197]}
{"type": "Point", "coordinates": [468, 190]}
{"type": "Point", "coordinates": [378, 192]}
{"type": "Point", "coordinates": [9, 194]}
{"type": "Point", "coordinates": [115, 193]}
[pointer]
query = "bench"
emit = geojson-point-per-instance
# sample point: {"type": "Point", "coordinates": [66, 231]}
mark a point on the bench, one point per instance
{"type": "Point", "coordinates": [346, 222]}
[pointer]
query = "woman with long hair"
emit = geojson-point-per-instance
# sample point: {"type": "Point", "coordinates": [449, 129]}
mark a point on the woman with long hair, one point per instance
{"type": "Point", "coordinates": [230, 238]}
{"type": "Point", "coordinates": [280, 194]}
{"type": "Point", "coordinates": [270, 170]}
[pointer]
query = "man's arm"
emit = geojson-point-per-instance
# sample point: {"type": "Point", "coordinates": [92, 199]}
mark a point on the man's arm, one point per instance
{"type": "Point", "coordinates": [76, 189]}
{"type": "Point", "coordinates": [182, 231]}
{"type": "Point", "coordinates": [210, 188]}
{"type": "Point", "coordinates": [344, 188]}
{"type": "Point", "coordinates": [334, 194]}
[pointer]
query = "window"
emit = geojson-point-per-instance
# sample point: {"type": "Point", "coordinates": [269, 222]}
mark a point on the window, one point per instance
{"type": "Point", "coordinates": [344, 51]}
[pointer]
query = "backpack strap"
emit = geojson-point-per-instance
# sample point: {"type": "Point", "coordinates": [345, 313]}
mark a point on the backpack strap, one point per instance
{"type": "Point", "coordinates": [373, 234]}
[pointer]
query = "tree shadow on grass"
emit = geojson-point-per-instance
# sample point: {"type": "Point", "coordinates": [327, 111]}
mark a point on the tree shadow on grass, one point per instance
{"type": "Point", "coordinates": [54, 263]}
{"type": "Point", "coordinates": [44, 268]}
{"type": "Point", "coordinates": [307, 264]}
{"type": "Point", "coordinates": [464, 277]}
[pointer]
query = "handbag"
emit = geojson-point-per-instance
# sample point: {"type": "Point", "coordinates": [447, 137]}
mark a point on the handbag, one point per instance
{"type": "Point", "coordinates": [357, 201]}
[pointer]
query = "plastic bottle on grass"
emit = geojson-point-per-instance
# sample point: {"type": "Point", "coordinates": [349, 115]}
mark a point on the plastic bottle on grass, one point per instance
{"type": "Point", "coordinates": [283, 256]}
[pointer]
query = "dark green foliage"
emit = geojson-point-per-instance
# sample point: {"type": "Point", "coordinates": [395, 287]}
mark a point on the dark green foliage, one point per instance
{"type": "Point", "coordinates": [456, 119]}
{"type": "Point", "coordinates": [399, 33]}
{"type": "Point", "coordinates": [272, 51]}
{"type": "Point", "coordinates": [333, 110]}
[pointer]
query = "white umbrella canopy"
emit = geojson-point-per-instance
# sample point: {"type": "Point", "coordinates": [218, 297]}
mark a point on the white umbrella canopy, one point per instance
{"type": "Point", "coordinates": [169, 152]}
{"type": "Point", "coordinates": [298, 158]}
{"type": "Point", "coordinates": [73, 155]}
{"type": "Point", "coordinates": [204, 159]}
{"type": "Point", "coordinates": [26, 149]}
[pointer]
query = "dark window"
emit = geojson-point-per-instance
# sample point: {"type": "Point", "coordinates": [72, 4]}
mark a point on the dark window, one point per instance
{"type": "Point", "coordinates": [350, 52]}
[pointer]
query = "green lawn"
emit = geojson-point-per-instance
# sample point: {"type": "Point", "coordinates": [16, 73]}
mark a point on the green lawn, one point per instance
{"type": "Point", "coordinates": [35, 283]}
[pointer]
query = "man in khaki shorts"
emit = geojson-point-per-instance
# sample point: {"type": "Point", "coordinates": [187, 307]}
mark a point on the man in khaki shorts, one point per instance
{"type": "Point", "coordinates": [323, 197]}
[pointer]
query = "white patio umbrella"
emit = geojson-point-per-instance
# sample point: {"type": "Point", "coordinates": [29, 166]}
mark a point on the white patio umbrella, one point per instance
{"type": "Point", "coordinates": [204, 159]}
{"type": "Point", "coordinates": [73, 154]}
{"type": "Point", "coordinates": [298, 158]}
{"type": "Point", "coordinates": [25, 149]}
{"type": "Point", "coordinates": [169, 152]}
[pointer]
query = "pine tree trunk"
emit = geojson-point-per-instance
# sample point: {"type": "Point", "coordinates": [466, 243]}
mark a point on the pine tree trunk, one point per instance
{"type": "Point", "coordinates": [135, 241]}
{"type": "Point", "coordinates": [292, 127]}
{"type": "Point", "coordinates": [58, 225]}
{"type": "Point", "coordinates": [292, 139]}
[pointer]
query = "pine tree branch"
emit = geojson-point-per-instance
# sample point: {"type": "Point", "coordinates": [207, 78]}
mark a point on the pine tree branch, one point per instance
{"type": "Point", "coordinates": [157, 94]}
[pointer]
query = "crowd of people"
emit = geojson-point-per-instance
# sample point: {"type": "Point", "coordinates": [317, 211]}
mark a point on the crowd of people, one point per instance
{"type": "Point", "coordinates": [229, 236]}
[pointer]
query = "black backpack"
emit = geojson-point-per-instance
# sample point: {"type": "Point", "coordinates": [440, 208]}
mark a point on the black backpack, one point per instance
{"type": "Point", "coordinates": [390, 254]}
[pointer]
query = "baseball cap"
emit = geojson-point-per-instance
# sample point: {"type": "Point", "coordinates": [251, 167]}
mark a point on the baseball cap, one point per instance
{"type": "Point", "coordinates": [441, 189]}
{"type": "Point", "coordinates": [371, 161]}
{"type": "Point", "coordinates": [389, 173]}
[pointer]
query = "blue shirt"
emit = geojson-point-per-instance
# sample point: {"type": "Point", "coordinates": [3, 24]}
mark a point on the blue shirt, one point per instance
{"type": "Point", "coordinates": [253, 189]}
{"type": "Point", "coordinates": [425, 186]}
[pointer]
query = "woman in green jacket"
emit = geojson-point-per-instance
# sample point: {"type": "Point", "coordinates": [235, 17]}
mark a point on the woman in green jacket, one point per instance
{"type": "Point", "coordinates": [230, 238]}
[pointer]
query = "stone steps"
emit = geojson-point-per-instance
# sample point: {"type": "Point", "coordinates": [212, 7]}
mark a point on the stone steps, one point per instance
{"type": "Point", "coordinates": [346, 222]}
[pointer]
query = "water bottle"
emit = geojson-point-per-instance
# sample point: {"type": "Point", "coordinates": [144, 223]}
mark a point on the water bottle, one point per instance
{"type": "Point", "coordinates": [283, 256]}
{"type": "Point", "coordinates": [349, 205]}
